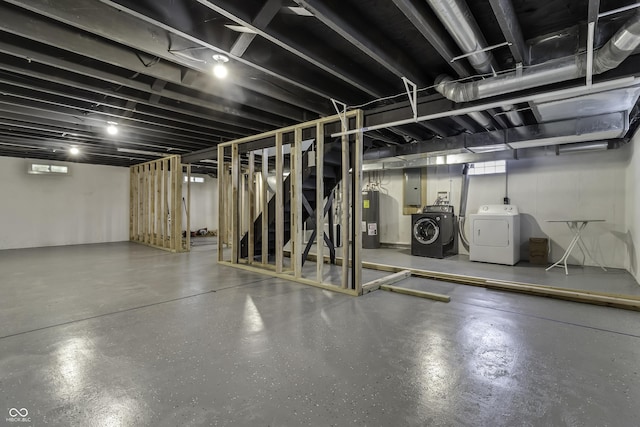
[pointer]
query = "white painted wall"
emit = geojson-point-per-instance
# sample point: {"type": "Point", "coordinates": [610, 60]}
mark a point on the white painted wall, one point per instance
{"type": "Point", "coordinates": [553, 187]}
{"type": "Point", "coordinates": [89, 206]}
{"type": "Point", "coordinates": [204, 204]}
{"type": "Point", "coordinates": [632, 214]}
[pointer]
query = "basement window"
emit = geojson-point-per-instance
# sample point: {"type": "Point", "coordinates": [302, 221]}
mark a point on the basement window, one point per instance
{"type": "Point", "coordinates": [486, 168]}
{"type": "Point", "coordinates": [47, 169]}
{"type": "Point", "coordinates": [197, 179]}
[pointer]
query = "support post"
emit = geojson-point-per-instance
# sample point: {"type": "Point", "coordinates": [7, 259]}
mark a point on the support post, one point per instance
{"type": "Point", "coordinates": [252, 206]}
{"type": "Point", "coordinates": [159, 234]}
{"type": "Point", "coordinates": [345, 187]}
{"type": "Point", "coordinates": [177, 202]}
{"type": "Point", "coordinates": [279, 205]}
{"type": "Point", "coordinates": [265, 207]}
{"type": "Point", "coordinates": [134, 204]}
{"type": "Point", "coordinates": [188, 210]}
{"type": "Point", "coordinates": [145, 203]}
{"type": "Point", "coordinates": [357, 205]}
{"type": "Point", "coordinates": [221, 204]}
{"type": "Point", "coordinates": [235, 214]}
{"type": "Point", "coordinates": [152, 202]}
{"type": "Point", "coordinates": [296, 203]}
{"type": "Point", "coordinates": [320, 202]}
{"type": "Point", "coordinates": [165, 203]}
{"type": "Point", "coordinates": [131, 194]}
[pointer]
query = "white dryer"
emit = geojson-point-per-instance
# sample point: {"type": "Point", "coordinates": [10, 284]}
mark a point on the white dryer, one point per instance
{"type": "Point", "coordinates": [495, 234]}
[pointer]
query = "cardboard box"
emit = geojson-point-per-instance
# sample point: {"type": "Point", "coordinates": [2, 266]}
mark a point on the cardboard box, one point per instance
{"type": "Point", "coordinates": [539, 250]}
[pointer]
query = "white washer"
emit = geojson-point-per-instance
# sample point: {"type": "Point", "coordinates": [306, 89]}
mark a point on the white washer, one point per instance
{"type": "Point", "coordinates": [495, 234]}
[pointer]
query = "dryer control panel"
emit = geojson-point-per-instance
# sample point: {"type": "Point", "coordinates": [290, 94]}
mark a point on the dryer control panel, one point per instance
{"type": "Point", "coordinates": [498, 210]}
{"type": "Point", "coordinates": [438, 209]}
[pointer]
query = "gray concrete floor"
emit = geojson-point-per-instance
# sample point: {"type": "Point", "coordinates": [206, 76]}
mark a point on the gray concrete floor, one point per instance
{"type": "Point", "coordinates": [125, 335]}
{"type": "Point", "coordinates": [587, 278]}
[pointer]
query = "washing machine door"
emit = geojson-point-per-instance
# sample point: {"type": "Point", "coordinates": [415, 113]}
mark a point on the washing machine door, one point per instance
{"type": "Point", "coordinates": [426, 230]}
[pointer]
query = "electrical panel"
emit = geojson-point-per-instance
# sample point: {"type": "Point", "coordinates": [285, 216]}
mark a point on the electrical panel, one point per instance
{"type": "Point", "coordinates": [413, 187]}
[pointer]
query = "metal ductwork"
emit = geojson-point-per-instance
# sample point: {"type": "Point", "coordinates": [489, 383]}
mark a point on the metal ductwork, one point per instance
{"type": "Point", "coordinates": [459, 22]}
{"type": "Point", "coordinates": [570, 134]}
{"type": "Point", "coordinates": [616, 50]}
{"type": "Point", "coordinates": [461, 25]}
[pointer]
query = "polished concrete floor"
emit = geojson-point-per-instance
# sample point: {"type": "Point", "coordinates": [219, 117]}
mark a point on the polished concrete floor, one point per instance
{"type": "Point", "coordinates": [587, 278]}
{"type": "Point", "coordinates": [125, 335]}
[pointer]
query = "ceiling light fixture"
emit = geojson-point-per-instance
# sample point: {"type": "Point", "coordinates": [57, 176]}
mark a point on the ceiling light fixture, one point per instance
{"type": "Point", "coordinates": [220, 70]}
{"type": "Point", "coordinates": [112, 128]}
{"type": "Point", "coordinates": [74, 151]}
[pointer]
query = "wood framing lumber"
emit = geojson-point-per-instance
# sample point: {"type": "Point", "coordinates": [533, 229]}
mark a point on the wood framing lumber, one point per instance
{"type": "Point", "coordinates": [222, 229]}
{"type": "Point", "coordinates": [569, 295]}
{"type": "Point", "coordinates": [374, 285]}
{"type": "Point", "coordinates": [416, 293]}
{"type": "Point", "coordinates": [320, 199]}
{"type": "Point", "coordinates": [265, 207]}
{"type": "Point", "coordinates": [279, 204]}
{"type": "Point", "coordinates": [252, 206]}
{"type": "Point", "coordinates": [296, 203]}
{"type": "Point", "coordinates": [301, 280]}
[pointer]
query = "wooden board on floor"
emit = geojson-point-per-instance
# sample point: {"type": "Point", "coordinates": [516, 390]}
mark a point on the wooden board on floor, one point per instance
{"type": "Point", "coordinates": [416, 293]}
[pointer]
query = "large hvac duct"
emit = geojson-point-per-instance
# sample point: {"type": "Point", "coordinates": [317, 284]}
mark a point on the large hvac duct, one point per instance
{"type": "Point", "coordinates": [459, 22]}
{"type": "Point", "coordinates": [616, 50]}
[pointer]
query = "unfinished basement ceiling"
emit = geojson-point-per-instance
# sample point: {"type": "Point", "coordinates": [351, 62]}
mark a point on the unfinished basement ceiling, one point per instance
{"type": "Point", "coordinates": [69, 67]}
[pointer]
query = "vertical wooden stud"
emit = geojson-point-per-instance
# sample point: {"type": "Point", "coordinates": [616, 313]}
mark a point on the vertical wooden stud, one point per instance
{"type": "Point", "coordinates": [243, 212]}
{"type": "Point", "coordinates": [178, 203]}
{"type": "Point", "coordinates": [252, 206]}
{"type": "Point", "coordinates": [221, 203]}
{"type": "Point", "coordinates": [134, 203]}
{"type": "Point", "coordinates": [152, 211]}
{"type": "Point", "coordinates": [345, 186]}
{"type": "Point", "coordinates": [265, 207]}
{"type": "Point", "coordinates": [279, 205]}
{"type": "Point", "coordinates": [165, 203]}
{"type": "Point", "coordinates": [172, 204]}
{"type": "Point", "coordinates": [235, 214]}
{"type": "Point", "coordinates": [131, 178]}
{"type": "Point", "coordinates": [357, 206]}
{"type": "Point", "coordinates": [145, 215]}
{"type": "Point", "coordinates": [140, 184]}
{"type": "Point", "coordinates": [159, 203]}
{"type": "Point", "coordinates": [188, 213]}
{"type": "Point", "coordinates": [320, 202]}
{"type": "Point", "coordinates": [296, 203]}
{"type": "Point", "coordinates": [148, 203]}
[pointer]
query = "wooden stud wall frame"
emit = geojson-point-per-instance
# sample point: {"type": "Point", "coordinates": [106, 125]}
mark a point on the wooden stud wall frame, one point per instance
{"type": "Point", "coordinates": [156, 204]}
{"type": "Point", "coordinates": [233, 213]}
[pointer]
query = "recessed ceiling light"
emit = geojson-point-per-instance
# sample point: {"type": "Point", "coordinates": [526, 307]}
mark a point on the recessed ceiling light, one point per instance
{"type": "Point", "coordinates": [240, 28]}
{"type": "Point", "coordinates": [74, 151]}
